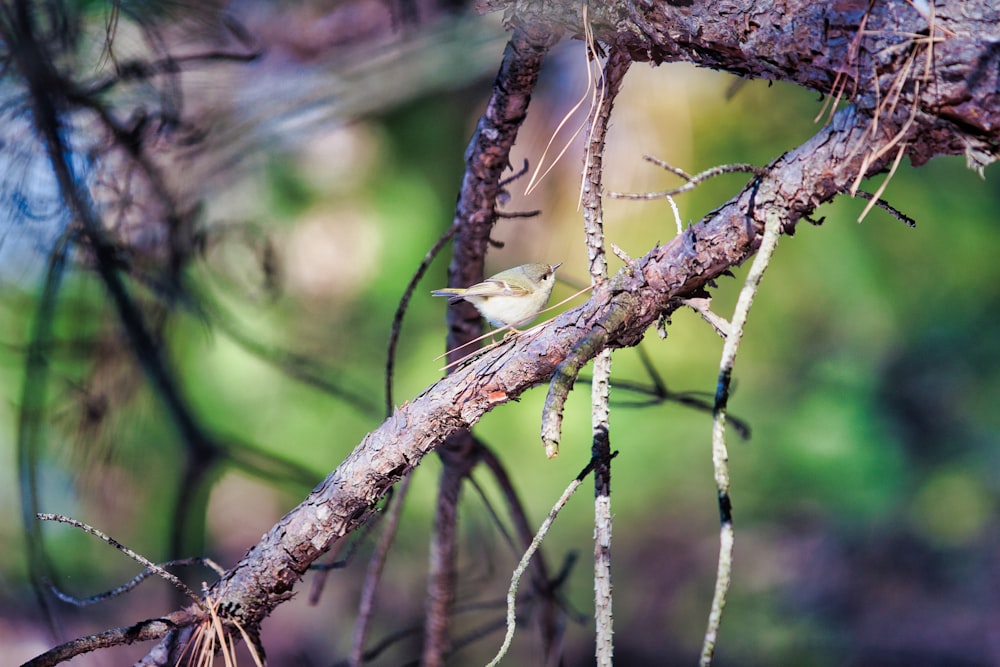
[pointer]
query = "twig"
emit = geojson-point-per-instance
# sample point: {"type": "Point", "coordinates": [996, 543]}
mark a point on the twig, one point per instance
{"type": "Point", "coordinates": [536, 542]}
{"type": "Point", "coordinates": [621, 254]}
{"type": "Point", "coordinates": [142, 560]}
{"type": "Point", "coordinates": [544, 588]}
{"type": "Point", "coordinates": [154, 628]}
{"type": "Point", "coordinates": [886, 206]}
{"type": "Point", "coordinates": [677, 214]}
{"type": "Point", "coordinates": [593, 218]}
{"type": "Point", "coordinates": [135, 581]}
{"type": "Point", "coordinates": [374, 574]}
{"type": "Point", "coordinates": [404, 302]}
{"type": "Point", "coordinates": [720, 455]}
{"type": "Point", "coordinates": [701, 305]}
{"type": "Point", "coordinates": [692, 181]}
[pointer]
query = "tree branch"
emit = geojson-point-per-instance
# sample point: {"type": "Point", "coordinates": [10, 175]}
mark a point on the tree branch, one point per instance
{"type": "Point", "coordinates": [821, 46]}
{"type": "Point", "coordinates": [954, 113]}
{"type": "Point", "coordinates": [632, 300]}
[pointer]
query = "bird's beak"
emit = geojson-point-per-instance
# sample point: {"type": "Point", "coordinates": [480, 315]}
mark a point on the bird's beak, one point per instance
{"type": "Point", "coordinates": [553, 267]}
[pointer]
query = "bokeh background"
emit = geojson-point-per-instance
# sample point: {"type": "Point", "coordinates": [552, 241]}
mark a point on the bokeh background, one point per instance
{"type": "Point", "coordinates": [865, 500]}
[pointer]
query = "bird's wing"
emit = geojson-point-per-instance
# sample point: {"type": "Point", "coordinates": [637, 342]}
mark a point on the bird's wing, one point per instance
{"type": "Point", "coordinates": [494, 287]}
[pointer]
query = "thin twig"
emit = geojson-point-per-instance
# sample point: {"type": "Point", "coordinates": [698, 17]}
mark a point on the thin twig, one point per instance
{"type": "Point", "coordinates": [886, 206]}
{"type": "Point", "coordinates": [545, 589]}
{"type": "Point", "coordinates": [536, 543]}
{"type": "Point", "coordinates": [142, 560]}
{"type": "Point", "coordinates": [397, 318]}
{"type": "Point", "coordinates": [691, 181]}
{"type": "Point", "coordinates": [374, 573]}
{"type": "Point", "coordinates": [701, 305]}
{"type": "Point", "coordinates": [135, 581]}
{"type": "Point", "coordinates": [720, 455]}
{"type": "Point", "coordinates": [677, 214]}
{"type": "Point", "coordinates": [593, 218]}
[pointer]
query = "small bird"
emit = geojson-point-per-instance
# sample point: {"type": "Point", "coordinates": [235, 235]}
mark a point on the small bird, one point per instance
{"type": "Point", "coordinates": [511, 297]}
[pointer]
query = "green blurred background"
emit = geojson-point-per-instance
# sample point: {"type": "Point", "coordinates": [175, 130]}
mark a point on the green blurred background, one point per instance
{"type": "Point", "coordinates": [865, 501]}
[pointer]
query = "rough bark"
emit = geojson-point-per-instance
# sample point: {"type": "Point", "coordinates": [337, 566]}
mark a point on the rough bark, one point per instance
{"type": "Point", "coordinates": [813, 44]}
{"type": "Point", "coordinates": [957, 109]}
{"type": "Point", "coordinates": [621, 311]}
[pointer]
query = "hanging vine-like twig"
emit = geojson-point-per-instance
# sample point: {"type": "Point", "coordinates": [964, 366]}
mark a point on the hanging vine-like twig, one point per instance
{"type": "Point", "coordinates": [720, 455]}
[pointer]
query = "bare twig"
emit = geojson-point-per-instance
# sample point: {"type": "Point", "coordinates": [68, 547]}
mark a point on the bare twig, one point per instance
{"type": "Point", "coordinates": [677, 214]}
{"type": "Point", "coordinates": [397, 317]}
{"type": "Point", "coordinates": [593, 218]}
{"type": "Point", "coordinates": [720, 455]}
{"type": "Point", "coordinates": [886, 206]}
{"type": "Point", "coordinates": [691, 181]}
{"type": "Point", "coordinates": [142, 560]}
{"type": "Point", "coordinates": [374, 574]}
{"type": "Point", "coordinates": [545, 589]}
{"type": "Point", "coordinates": [135, 581]}
{"type": "Point", "coordinates": [702, 306]}
{"type": "Point", "coordinates": [536, 543]}
{"type": "Point", "coordinates": [154, 628]}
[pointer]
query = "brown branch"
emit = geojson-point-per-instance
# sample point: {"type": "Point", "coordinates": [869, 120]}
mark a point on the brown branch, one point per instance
{"type": "Point", "coordinates": [691, 181]}
{"type": "Point", "coordinates": [142, 631]}
{"type": "Point", "coordinates": [543, 586]}
{"type": "Point", "coordinates": [796, 183]}
{"type": "Point", "coordinates": [956, 112]}
{"type": "Point", "coordinates": [818, 45]}
{"type": "Point", "coordinates": [487, 157]}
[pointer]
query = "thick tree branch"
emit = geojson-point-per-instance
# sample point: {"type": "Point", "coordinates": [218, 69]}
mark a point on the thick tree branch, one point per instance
{"type": "Point", "coordinates": [950, 107]}
{"type": "Point", "coordinates": [487, 157]}
{"type": "Point", "coordinates": [794, 185]}
{"type": "Point", "coordinates": [858, 46]}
